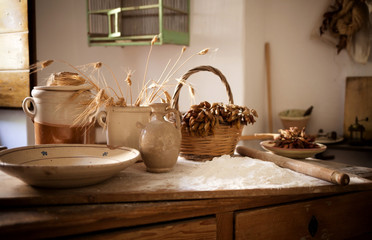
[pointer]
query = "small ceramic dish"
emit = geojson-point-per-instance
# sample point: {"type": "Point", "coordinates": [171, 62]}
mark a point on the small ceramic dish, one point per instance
{"type": "Point", "coordinates": [325, 140]}
{"type": "Point", "coordinates": [66, 165]}
{"type": "Point", "coordinates": [294, 152]}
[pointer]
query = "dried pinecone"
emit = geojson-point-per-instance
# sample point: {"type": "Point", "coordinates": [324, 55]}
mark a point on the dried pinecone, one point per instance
{"type": "Point", "coordinates": [202, 119]}
{"type": "Point", "coordinates": [294, 138]}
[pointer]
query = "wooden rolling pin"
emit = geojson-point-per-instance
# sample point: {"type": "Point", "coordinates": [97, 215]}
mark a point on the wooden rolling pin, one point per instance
{"type": "Point", "coordinates": [260, 136]}
{"type": "Point", "coordinates": [309, 169]}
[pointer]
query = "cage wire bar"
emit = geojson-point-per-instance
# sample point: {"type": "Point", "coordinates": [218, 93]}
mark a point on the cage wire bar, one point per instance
{"type": "Point", "coordinates": [135, 22]}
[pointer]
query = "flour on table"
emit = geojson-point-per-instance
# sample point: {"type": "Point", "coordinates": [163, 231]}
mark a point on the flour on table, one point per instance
{"type": "Point", "coordinates": [244, 173]}
{"type": "Point", "coordinates": [222, 173]}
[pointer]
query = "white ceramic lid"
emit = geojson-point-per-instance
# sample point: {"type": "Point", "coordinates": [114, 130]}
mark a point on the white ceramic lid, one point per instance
{"type": "Point", "coordinates": [63, 88]}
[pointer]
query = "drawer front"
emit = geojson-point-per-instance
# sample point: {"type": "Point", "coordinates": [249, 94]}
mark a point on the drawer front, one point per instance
{"type": "Point", "coordinates": [338, 217]}
{"type": "Point", "coordinates": [201, 228]}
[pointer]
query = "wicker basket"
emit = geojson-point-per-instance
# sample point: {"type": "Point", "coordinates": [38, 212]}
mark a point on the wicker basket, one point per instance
{"type": "Point", "coordinates": [225, 137]}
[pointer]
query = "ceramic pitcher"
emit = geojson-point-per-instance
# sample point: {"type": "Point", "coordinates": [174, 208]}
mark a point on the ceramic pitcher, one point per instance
{"type": "Point", "coordinates": [123, 124]}
{"type": "Point", "coordinates": [53, 110]}
{"type": "Point", "coordinates": [160, 139]}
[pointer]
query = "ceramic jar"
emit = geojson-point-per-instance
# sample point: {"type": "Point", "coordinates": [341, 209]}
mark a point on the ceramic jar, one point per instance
{"type": "Point", "coordinates": [124, 124]}
{"type": "Point", "coordinates": [53, 110]}
{"type": "Point", "coordinates": [160, 139]}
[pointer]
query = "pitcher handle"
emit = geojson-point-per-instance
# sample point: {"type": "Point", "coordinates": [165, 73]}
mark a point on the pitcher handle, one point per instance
{"type": "Point", "coordinates": [26, 107]}
{"type": "Point", "coordinates": [177, 115]}
{"type": "Point", "coordinates": [102, 119]}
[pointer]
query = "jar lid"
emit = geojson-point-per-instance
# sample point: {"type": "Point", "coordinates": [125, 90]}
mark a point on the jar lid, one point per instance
{"type": "Point", "coordinates": [63, 88]}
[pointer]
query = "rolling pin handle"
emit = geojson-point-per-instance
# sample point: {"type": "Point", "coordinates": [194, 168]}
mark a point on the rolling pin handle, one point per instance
{"type": "Point", "coordinates": [340, 178]}
{"type": "Point", "coordinates": [323, 173]}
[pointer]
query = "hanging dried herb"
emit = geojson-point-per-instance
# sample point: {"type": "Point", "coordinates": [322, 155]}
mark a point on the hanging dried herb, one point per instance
{"type": "Point", "coordinates": [343, 19]}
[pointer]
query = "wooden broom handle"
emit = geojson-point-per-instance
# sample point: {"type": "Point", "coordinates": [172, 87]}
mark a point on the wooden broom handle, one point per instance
{"type": "Point", "coordinates": [309, 169]}
{"type": "Point", "coordinates": [268, 81]}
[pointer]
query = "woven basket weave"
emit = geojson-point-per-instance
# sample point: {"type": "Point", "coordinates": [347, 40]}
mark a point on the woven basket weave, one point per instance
{"type": "Point", "coordinates": [225, 137]}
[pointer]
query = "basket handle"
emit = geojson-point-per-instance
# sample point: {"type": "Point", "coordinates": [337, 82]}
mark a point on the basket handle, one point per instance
{"type": "Point", "coordinates": [176, 94]}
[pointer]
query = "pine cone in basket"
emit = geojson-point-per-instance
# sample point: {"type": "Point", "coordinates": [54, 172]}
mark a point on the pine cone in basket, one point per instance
{"type": "Point", "coordinates": [202, 119]}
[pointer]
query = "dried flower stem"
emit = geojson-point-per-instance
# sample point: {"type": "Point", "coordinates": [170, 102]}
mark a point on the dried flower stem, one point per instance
{"type": "Point", "coordinates": [166, 79]}
{"type": "Point", "coordinates": [175, 64]}
{"type": "Point", "coordinates": [153, 95]}
{"type": "Point", "coordinates": [110, 88]}
{"type": "Point", "coordinates": [128, 80]}
{"type": "Point", "coordinates": [116, 81]}
{"type": "Point", "coordinates": [164, 71]}
{"type": "Point", "coordinates": [202, 52]}
{"type": "Point", "coordinates": [170, 73]}
{"type": "Point", "coordinates": [39, 66]}
{"type": "Point", "coordinates": [81, 73]}
{"type": "Point", "coordinates": [154, 39]}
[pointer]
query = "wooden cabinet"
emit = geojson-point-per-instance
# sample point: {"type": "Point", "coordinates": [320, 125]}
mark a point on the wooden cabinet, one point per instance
{"type": "Point", "coordinates": [201, 228]}
{"type": "Point", "coordinates": [116, 210]}
{"type": "Point", "coordinates": [338, 217]}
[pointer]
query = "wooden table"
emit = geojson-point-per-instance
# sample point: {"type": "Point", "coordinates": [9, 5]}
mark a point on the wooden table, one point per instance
{"type": "Point", "coordinates": [109, 211]}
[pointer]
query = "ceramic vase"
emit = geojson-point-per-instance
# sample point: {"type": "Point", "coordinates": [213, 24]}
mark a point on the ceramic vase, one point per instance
{"type": "Point", "coordinates": [53, 110]}
{"type": "Point", "coordinates": [124, 124]}
{"type": "Point", "coordinates": [160, 139]}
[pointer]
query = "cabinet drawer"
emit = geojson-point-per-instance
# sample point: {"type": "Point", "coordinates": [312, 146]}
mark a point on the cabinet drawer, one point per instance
{"type": "Point", "coordinates": [338, 217]}
{"type": "Point", "coordinates": [201, 228]}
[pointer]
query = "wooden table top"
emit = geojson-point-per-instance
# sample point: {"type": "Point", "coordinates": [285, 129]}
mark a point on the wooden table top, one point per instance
{"type": "Point", "coordinates": [122, 189]}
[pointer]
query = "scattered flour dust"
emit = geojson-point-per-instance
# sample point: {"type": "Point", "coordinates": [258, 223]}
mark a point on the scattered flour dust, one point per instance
{"type": "Point", "coordinates": [244, 173]}
{"type": "Point", "coordinates": [222, 173]}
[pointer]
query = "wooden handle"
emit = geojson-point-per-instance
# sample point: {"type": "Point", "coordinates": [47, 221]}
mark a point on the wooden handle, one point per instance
{"type": "Point", "coordinates": [259, 136]}
{"type": "Point", "coordinates": [309, 169]}
{"type": "Point", "coordinates": [268, 81]}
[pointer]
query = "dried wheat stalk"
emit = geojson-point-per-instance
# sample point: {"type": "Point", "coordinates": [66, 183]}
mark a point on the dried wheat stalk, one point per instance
{"type": "Point", "coordinates": [105, 95]}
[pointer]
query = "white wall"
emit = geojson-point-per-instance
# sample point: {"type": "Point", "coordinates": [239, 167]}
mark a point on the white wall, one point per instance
{"type": "Point", "coordinates": [304, 71]}
{"type": "Point", "coordinates": [62, 36]}
{"type": "Point", "coordinates": [13, 128]}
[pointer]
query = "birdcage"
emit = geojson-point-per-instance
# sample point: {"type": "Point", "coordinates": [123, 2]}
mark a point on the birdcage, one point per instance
{"type": "Point", "coordinates": [135, 22]}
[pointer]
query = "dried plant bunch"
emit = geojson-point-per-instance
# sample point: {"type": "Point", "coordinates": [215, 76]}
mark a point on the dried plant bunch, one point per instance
{"type": "Point", "coordinates": [106, 95]}
{"type": "Point", "coordinates": [295, 138]}
{"type": "Point", "coordinates": [343, 19]}
{"type": "Point", "coordinates": [202, 119]}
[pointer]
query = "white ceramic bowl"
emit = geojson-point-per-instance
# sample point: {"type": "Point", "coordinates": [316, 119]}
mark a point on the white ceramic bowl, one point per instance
{"type": "Point", "coordinates": [66, 165]}
{"type": "Point", "coordinates": [294, 152]}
